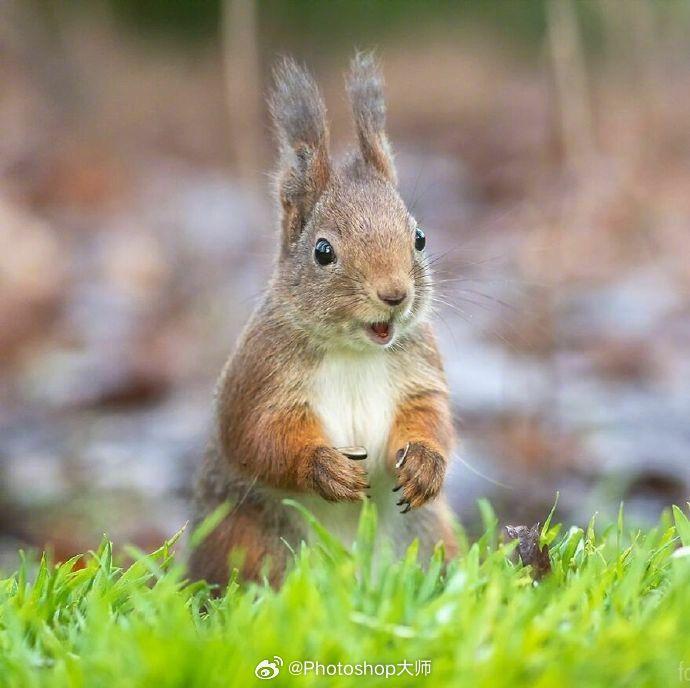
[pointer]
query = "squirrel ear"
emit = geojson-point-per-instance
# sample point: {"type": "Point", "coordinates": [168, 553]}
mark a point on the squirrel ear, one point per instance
{"type": "Point", "coordinates": [365, 86]}
{"type": "Point", "coordinates": [299, 116]}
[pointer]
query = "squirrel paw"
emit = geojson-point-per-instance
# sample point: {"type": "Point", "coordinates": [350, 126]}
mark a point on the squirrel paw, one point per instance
{"type": "Point", "coordinates": [420, 475]}
{"type": "Point", "coordinates": [337, 477]}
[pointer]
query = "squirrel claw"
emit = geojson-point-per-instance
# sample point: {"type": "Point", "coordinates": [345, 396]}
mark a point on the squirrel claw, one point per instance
{"type": "Point", "coordinates": [354, 453]}
{"type": "Point", "coordinates": [397, 487]}
{"type": "Point", "coordinates": [402, 455]}
{"type": "Point", "coordinates": [407, 508]}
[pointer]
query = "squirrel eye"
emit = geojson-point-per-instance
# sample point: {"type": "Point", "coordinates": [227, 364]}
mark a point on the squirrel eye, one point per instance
{"type": "Point", "coordinates": [323, 252]}
{"type": "Point", "coordinates": [419, 239]}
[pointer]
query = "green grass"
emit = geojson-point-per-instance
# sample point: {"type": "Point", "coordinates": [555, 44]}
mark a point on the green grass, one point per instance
{"type": "Point", "coordinates": [614, 612]}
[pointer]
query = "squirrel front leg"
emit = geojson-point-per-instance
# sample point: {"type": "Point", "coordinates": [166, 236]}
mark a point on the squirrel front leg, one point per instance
{"type": "Point", "coordinates": [418, 449]}
{"type": "Point", "coordinates": [287, 449]}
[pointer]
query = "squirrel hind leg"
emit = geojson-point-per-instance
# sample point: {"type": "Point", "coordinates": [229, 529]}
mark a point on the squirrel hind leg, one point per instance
{"type": "Point", "coordinates": [245, 539]}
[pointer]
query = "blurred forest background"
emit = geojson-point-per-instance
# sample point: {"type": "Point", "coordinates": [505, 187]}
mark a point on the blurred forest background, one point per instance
{"type": "Point", "coordinates": [544, 146]}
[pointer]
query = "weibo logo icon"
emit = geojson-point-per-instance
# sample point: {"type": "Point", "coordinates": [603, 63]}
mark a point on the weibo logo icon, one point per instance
{"type": "Point", "coordinates": [267, 668]}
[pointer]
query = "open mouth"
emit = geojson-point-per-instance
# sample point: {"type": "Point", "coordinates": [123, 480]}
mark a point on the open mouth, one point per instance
{"type": "Point", "coordinates": [380, 332]}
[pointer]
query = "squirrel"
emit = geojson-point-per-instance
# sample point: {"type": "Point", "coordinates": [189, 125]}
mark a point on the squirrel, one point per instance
{"type": "Point", "coordinates": [336, 390]}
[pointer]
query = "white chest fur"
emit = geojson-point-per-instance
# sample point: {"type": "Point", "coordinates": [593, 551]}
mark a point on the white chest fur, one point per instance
{"type": "Point", "coordinates": [354, 397]}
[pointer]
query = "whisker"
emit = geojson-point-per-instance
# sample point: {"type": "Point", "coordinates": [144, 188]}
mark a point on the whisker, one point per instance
{"type": "Point", "coordinates": [491, 330]}
{"type": "Point", "coordinates": [489, 297]}
{"type": "Point", "coordinates": [478, 473]}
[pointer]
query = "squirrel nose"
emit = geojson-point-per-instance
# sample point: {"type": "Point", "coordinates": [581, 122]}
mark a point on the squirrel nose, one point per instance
{"type": "Point", "coordinates": [392, 297]}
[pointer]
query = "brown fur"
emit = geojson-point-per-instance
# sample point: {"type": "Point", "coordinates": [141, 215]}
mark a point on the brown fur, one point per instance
{"type": "Point", "coordinates": [424, 422]}
{"type": "Point", "coordinates": [269, 440]}
{"type": "Point", "coordinates": [254, 545]}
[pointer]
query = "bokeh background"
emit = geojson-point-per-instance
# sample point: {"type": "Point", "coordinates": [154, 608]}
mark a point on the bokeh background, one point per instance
{"type": "Point", "coordinates": [544, 146]}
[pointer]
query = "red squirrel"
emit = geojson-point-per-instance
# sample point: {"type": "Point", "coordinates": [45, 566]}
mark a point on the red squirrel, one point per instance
{"type": "Point", "coordinates": [336, 390]}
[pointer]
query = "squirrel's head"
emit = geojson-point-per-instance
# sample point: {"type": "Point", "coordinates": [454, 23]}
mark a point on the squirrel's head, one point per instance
{"type": "Point", "coordinates": [352, 268]}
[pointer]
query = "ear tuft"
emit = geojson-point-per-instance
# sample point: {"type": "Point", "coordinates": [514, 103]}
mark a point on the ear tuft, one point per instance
{"type": "Point", "coordinates": [365, 87]}
{"type": "Point", "coordinates": [299, 116]}
{"type": "Point", "coordinates": [297, 106]}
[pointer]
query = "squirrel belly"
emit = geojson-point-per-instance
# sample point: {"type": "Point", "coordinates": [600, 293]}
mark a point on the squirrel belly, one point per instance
{"type": "Point", "coordinates": [354, 395]}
